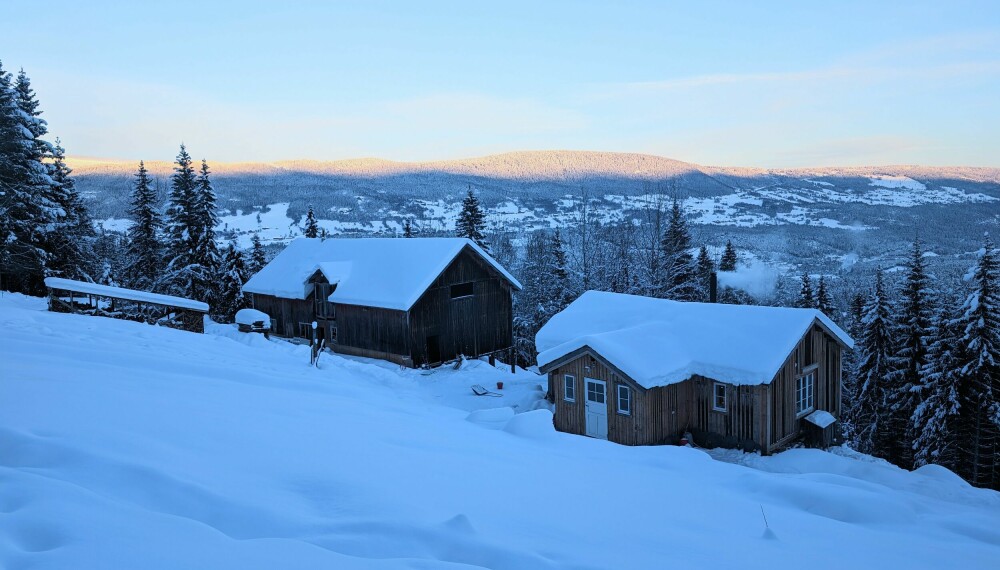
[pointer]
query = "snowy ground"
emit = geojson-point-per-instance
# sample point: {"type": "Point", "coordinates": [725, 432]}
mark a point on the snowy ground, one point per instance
{"type": "Point", "coordinates": [129, 446]}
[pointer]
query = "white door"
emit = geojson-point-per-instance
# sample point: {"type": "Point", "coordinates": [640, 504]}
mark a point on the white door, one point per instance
{"type": "Point", "coordinates": [597, 408]}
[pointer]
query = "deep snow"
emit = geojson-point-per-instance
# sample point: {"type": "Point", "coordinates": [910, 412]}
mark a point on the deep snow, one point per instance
{"type": "Point", "coordinates": [124, 445]}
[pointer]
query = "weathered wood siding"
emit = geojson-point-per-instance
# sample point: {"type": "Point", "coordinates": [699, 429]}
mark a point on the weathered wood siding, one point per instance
{"type": "Point", "coordinates": [372, 332]}
{"type": "Point", "coordinates": [474, 325]}
{"type": "Point", "coordinates": [784, 424]}
{"type": "Point", "coordinates": [739, 425]}
{"type": "Point", "coordinates": [641, 427]}
{"type": "Point", "coordinates": [286, 314]}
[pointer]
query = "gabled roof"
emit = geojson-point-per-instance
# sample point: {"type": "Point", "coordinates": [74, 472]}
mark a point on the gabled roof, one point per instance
{"type": "Point", "coordinates": [391, 273]}
{"type": "Point", "coordinates": [61, 284]}
{"type": "Point", "coordinates": [658, 342]}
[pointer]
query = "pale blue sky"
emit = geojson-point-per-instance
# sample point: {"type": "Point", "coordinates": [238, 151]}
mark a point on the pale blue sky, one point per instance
{"type": "Point", "coordinates": [771, 84]}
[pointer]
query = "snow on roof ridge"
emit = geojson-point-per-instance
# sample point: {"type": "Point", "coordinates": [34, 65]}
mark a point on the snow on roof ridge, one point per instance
{"type": "Point", "coordinates": [391, 273]}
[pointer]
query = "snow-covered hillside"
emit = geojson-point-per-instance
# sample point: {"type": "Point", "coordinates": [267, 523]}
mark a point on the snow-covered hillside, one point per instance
{"type": "Point", "coordinates": [129, 446]}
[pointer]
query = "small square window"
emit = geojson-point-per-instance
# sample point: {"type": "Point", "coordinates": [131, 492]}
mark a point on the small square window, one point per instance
{"type": "Point", "coordinates": [569, 388]}
{"type": "Point", "coordinates": [462, 290]}
{"type": "Point", "coordinates": [719, 397]}
{"type": "Point", "coordinates": [624, 400]}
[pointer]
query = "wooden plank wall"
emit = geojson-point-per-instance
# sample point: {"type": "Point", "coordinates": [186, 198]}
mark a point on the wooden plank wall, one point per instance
{"type": "Point", "coordinates": [287, 313]}
{"type": "Point", "coordinates": [641, 427]}
{"type": "Point", "coordinates": [476, 325]}
{"type": "Point", "coordinates": [738, 425]}
{"type": "Point", "coordinates": [380, 331]}
{"type": "Point", "coordinates": [784, 425]}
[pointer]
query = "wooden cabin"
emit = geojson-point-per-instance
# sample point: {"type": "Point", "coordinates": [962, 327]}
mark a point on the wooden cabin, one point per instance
{"type": "Point", "coordinates": [415, 301]}
{"type": "Point", "coordinates": [644, 371]}
{"type": "Point", "coordinates": [80, 297]}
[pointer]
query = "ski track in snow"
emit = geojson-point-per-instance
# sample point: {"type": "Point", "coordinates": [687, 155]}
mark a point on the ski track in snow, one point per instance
{"type": "Point", "coordinates": [129, 446]}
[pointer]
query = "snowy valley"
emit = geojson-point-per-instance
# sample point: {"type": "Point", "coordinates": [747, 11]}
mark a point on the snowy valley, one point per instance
{"type": "Point", "coordinates": [122, 441]}
{"type": "Point", "coordinates": [786, 216]}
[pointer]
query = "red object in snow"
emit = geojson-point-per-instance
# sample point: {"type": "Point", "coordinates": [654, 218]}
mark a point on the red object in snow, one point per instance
{"type": "Point", "coordinates": [499, 385]}
{"type": "Point", "coordinates": [683, 441]}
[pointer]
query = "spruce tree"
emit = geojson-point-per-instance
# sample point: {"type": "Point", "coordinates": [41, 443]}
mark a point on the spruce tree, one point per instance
{"type": "Point", "coordinates": [145, 253]}
{"type": "Point", "coordinates": [679, 277]}
{"type": "Point", "coordinates": [207, 254]}
{"type": "Point", "coordinates": [875, 346]}
{"type": "Point", "coordinates": [935, 420]}
{"type": "Point", "coordinates": [705, 267]}
{"type": "Point", "coordinates": [72, 236]}
{"type": "Point", "coordinates": [857, 314]}
{"type": "Point", "coordinates": [183, 275]}
{"type": "Point", "coordinates": [258, 257]}
{"type": "Point", "coordinates": [728, 261]}
{"type": "Point", "coordinates": [471, 221]}
{"type": "Point", "coordinates": [912, 331]}
{"type": "Point", "coordinates": [823, 301]}
{"type": "Point", "coordinates": [233, 275]}
{"type": "Point", "coordinates": [26, 211]}
{"type": "Point", "coordinates": [979, 366]}
{"type": "Point", "coordinates": [312, 226]}
{"type": "Point", "coordinates": [407, 228]}
{"type": "Point", "coordinates": [562, 296]}
{"type": "Point", "coordinates": [806, 299]}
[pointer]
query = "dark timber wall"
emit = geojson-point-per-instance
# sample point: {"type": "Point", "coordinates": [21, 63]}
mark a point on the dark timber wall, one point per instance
{"type": "Point", "coordinates": [756, 417]}
{"type": "Point", "coordinates": [471, 325]}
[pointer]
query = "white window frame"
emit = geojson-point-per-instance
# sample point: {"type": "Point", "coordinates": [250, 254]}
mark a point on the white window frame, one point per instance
{"type": "Point", "coordinates": [628, 399]}
{"type": "Point", "coordinates": [805, 393]}
{"type": "Point", "coordinates": [715, 397]}
{"type": "Point", "coordinates": [569, 381]}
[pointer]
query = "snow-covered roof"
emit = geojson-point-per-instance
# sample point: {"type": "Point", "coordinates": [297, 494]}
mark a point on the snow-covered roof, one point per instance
{"type": "Point", "coordinates": [821, 418]}
{"type": "Point", "coordinates": [121, 293]}
{"type": "Point", "coordinates": [391, 273]}
{"type": "Point", "coordinates": [658, 342]}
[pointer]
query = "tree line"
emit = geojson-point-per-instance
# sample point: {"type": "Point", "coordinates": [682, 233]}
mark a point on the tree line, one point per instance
{"type": "Point", "coordinates": [172, 247]}
{"type": "Point", "coordinates": [925, 386]}
{"type": "Point", "coordinates": [45, 230]}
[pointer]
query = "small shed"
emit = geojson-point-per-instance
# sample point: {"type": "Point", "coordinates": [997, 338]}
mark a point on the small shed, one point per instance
{"type": "Point", "coordinates": [643, 371]}
{"type": "Point", "coordinates": [69, 296]}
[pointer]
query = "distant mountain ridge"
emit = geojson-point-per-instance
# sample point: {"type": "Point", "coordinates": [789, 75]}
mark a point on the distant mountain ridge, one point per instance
{"type": "Point", "coordinates": [536, 166]}
{"type": "Point", "coordinates": [823, 218]}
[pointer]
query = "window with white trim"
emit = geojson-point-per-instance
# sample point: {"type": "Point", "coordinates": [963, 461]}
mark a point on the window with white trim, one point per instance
{"type": "Point", "coordinates": [719, 397]}
{"type": "Point", "coordinates": [804, 398]}
{"type": "Point", "coordinates": [569, 388]}
{"type": "Point", "coordinates": [624, 400]}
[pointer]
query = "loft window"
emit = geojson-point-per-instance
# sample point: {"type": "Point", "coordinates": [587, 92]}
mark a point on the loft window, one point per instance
{"type": "Point", "coordinates": [461, 290]}
{"type": "Point", "coordinates": [569, 388]}
{"type": "Point", "coordinates": [804, 399]}
{"type": "Point", "coordinates": [624, 400]}
{"type": "Point", "coordinates": [719, 397]}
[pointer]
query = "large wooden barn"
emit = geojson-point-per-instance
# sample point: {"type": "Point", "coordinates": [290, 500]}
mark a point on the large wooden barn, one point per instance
{"type": "Point", "coordinates": [644, 371]}
{"type": "Point", "coordinates": [412, 301]}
